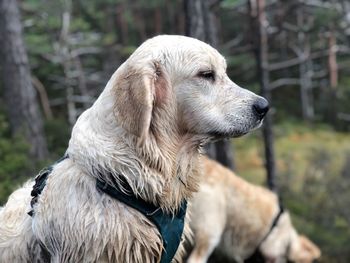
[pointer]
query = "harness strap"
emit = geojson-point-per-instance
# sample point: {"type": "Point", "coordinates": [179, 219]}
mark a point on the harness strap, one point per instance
{"type": "Point", "coordinates": [274, 222]}
{"type": "Point", "coordinates": [257, 257]}
{"type": "Point", "coordinates": [40, 182]}
{"type": "Point", "coordinates": [170, 226]}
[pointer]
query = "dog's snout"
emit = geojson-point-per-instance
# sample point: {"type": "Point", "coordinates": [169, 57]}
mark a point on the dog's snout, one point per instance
{"type": "Point", "coordinates": [261, 107]}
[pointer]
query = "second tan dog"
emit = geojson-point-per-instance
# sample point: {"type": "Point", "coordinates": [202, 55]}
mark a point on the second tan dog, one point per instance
{"type": "Point", "coordinates": [239, 218]}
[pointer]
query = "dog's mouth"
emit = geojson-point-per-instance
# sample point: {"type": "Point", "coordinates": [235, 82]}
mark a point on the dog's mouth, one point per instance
{"type": "Point", "coordinates": [234, 133]}
{"type": "Point", "coordinates": [217, 135]}
{"type": "Point", "coordinates": [259, 123]}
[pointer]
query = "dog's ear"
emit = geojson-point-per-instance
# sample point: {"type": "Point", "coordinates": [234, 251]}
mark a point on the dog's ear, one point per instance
{"type": "Point", "coordinates": [303, 250]}
{"type": "Point", "coordinates": [138, 87]}
{"type": "Point", "coordinates": [309, 248]}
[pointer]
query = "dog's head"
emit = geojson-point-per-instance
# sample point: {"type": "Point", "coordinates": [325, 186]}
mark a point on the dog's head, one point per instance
{"type": "Point", "coordinates": [180, 83]}
{"type": "Point", "coordinates": [303, 250]}
{"type": "Point", "coordinates": [285, 244]}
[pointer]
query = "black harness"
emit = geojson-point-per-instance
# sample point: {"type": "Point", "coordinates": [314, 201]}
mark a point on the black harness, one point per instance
{"type": "Point", "coordinates": [169, 225]}
{"type": "Point", "coordinates": [40, 182]}
{"type": "Point", "coordinates": [257, 256]}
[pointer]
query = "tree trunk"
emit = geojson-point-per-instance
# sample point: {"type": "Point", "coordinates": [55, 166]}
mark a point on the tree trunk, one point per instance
{"type": "Point", "coordinates": [139, 23]}
{"type": "Point", "coordinates": [332, 60]}
{"type": "Point", "coordinates": [257, 12]}
{"type": "Point", "coordinates": [201, 24]}
{"type": "Point", "coordinates": [20, 97]}
{"type": "Point", "coordinates": [201, 21]}
{"type": "Point", "coordinates": [304, 69]}
{"type": "Point", "coordinates": [333, 78]}
{"type": "Point", "coordinates": [222, 151]}
{"type": "Point", "coordinates": [158, 21]}
{"type": "Point", "coordinates": [123, 28]}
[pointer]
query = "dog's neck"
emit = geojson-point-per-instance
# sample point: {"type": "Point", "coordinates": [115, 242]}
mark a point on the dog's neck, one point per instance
{"type": "Point", "coordinates": [163, 170]}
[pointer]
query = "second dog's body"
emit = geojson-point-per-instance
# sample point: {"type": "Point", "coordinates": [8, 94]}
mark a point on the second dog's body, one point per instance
{"type": "Point", "coordinates": [237, 218]}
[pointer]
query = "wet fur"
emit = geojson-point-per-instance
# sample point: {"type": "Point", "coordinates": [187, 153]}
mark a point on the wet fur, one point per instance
{"type": "Point", "coordinates": [147, 126]}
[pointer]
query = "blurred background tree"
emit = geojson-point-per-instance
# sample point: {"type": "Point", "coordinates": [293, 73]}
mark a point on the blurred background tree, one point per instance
{"type": "Point", "coordinates": [74, 46]}
{"type": "Point", "coordinates": [19, 95]}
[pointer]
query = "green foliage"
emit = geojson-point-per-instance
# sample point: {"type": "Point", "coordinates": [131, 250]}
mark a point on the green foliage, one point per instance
{"type": "Point", "coordinates": [16, 166]}
{"type": "Point", "coordinates": [14, 161]}
{"type": "Point", "coordinates": [38, 44]}
{"type": "Point", "coordinates": [58, 134]}
{"type": "Point", "coordinates": [326, 17]}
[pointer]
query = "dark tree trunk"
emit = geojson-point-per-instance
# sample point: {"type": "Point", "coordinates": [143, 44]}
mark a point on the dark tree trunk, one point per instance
{"type": "Point", "coordinates": [332, 60]}
{"type": "Point", "coordinates": [201, 24]}
{"type": "Point", "coordinates": [304, 68]}
{"type": "Point", "coordinates": [179, 20]}
{"type": "Point", "coordinates": [20, 97]}
{"type": "Point", "coordinates": [122, 25]}
{"type": "Point", "coordinates": [222, 151]}
{"type": "Point", "coordinates": [158, 21]}
{"type": "Point", "coordinates": [258, 19]}
{"type": "Point", "coordinates": [139, 23]}
{"type": "Point", "coordinates": [201, 21]}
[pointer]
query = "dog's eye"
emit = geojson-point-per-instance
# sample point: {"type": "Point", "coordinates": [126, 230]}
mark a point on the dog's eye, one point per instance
{"type": "Point", "coordinates": [209, 75]}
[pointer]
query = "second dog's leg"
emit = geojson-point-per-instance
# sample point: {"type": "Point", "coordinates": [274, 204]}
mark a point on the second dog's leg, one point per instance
{"type": "Point", "coordinates": [205, 244]}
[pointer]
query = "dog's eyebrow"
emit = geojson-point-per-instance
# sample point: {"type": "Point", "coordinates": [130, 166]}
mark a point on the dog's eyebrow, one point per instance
{"type": "Point", "coordinates": [206, 68]}
{"type": "Point", "coordinates": [225, 63]}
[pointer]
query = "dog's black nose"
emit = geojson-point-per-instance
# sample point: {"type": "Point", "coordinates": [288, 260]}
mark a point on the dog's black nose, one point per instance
{"type": "Point", "coordinates": [261, 107]}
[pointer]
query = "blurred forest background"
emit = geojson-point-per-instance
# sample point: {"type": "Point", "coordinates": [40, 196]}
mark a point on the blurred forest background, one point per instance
{"type": "Point", "coordinates": [57, 56]}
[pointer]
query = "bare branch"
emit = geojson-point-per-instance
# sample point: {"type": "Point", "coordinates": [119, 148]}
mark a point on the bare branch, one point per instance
{"type": "Point", "coordinates": [83, 99]}
{"type": "Point", "coordinates": [323, 4]}
{"type": "Point", "coordinates": [289, 27]}
{"type": "Point", "coordinates": [343, 116]}
{"type": "Point", "coordinates": [58, 102]}
{"type": "Point", "coordinates": [284, 64]}
{"type": "Point", "coordinates": [284, 82]}
{"type": "Point", "coordinates": [320, 74]}
{"type": "Point", "coordinates": [296, 61]}
{"type": "Point", "coordinates": [84, 51]}
{"type": "Point", "coordinates": [44, 99]}
{"type": "Point", "coordinates": [233, 42]}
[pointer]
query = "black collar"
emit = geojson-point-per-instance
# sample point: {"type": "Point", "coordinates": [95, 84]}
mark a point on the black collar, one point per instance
{"type": "Point", "coordinates": [257, 256]}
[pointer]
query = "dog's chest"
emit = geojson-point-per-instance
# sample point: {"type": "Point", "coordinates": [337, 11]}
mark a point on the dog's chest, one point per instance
{"type": "Point", "coordinates": [74, 220]}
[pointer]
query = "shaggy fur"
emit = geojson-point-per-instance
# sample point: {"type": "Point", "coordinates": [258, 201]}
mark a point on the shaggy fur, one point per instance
{"type": "Point", "coordinates": [147, 126]}
{"type": "Point", "coordinates": [235, 216]}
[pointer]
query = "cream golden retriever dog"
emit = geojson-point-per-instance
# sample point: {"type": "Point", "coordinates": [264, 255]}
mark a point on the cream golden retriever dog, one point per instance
{"type": "Point", "coordinates": [146, 129]}
{"type": "Point", "coordinates": [240, 218]}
